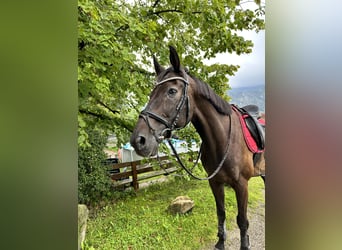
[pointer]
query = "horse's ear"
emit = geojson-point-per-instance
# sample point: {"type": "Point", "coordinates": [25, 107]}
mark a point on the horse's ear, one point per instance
{"type": "Point", "coordinates": [158, 68]}
{"type": "Point", "coordinates": [174, 59]}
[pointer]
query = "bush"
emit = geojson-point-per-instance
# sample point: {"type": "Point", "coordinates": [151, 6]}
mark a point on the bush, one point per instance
{"type": "Point", "coordinates": [94, 182]}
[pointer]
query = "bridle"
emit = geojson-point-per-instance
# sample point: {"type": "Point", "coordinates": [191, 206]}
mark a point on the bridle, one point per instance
{"type": "Point", "coordinates": [170, 126]}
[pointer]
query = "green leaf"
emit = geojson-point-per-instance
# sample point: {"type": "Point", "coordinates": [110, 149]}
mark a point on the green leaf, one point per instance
{"type": "Point", "coordinates": [118, 38]}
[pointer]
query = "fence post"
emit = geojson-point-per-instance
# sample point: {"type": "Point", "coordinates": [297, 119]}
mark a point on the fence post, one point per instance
{"type": "Point", "coordinates": [135, 176]}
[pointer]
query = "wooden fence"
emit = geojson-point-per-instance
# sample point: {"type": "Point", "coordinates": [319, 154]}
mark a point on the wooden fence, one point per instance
{"type": "Point", "coordinates": [131, 173]}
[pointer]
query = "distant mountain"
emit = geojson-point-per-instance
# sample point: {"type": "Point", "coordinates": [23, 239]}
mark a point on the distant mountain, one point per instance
{"type": "Point", "coordinates": [248, 95]}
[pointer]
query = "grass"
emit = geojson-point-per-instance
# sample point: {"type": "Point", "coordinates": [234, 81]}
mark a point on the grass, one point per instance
{"type": "Point", "coordinates": [141, 221]}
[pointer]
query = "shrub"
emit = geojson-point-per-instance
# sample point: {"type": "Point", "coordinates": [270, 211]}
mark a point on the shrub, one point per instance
{"type": "Point", "coordinates": [94, 182]}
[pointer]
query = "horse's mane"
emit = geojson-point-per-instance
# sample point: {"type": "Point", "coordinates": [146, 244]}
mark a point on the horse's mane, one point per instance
{"type": "Point", "coordinates": [207, 92]}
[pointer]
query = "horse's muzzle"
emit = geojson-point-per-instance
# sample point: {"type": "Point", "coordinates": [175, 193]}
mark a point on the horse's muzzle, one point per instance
{"type": "Point", "coordinates": [144, 145]}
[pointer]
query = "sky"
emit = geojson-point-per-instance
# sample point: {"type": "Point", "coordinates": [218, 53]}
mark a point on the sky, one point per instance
{"type": "Point", "coordinates": [252, 66]}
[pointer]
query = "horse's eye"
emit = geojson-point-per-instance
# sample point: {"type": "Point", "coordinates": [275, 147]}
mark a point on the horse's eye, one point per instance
{"type": "Point", "coordinates": [172, 91]}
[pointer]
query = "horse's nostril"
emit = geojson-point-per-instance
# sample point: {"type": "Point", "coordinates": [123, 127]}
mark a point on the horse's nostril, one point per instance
{"type": "Point", "coordinates": [141, 140]}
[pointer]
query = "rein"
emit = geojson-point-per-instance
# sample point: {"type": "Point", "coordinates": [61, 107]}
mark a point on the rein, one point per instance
{"type": "Point", "coordinates": [217, 169]}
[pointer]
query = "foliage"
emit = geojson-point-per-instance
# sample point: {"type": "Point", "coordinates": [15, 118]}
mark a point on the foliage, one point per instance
{"type": "Point", "coordinates": [142, 221]}
{"type": "Point", "coordinates": [93, 180]}
{"type": "Point", "coordinates": [118, 38]}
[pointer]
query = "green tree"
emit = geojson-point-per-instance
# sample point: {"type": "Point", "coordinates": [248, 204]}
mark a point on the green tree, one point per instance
{"type": "Point", "coordinates": [117, 40]}
{"type": "Point", "coordinates": [93, 180]}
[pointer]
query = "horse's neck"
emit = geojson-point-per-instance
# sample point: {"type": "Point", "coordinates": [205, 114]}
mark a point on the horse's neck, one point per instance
{"type": "Point", "coordinates": [211, 126]}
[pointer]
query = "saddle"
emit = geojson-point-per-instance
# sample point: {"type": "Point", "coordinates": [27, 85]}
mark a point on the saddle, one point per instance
{"type": "Point", "coordinates": [250, 118]}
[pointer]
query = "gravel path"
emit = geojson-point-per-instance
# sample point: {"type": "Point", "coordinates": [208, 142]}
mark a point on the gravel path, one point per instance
{"type": "Point", "coordinates": [256, 231]}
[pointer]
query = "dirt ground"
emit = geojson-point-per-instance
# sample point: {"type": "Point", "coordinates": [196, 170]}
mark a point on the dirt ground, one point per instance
{"type": "Point", "coordinates": [256, 231]}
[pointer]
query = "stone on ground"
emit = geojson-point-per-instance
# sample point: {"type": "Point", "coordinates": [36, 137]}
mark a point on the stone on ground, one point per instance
{"type": "Point", "coordinates": [181, 205]}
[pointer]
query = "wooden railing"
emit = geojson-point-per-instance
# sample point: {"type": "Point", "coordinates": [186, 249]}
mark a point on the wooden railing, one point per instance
{"type": "Point", "coordinates": [131, 173]}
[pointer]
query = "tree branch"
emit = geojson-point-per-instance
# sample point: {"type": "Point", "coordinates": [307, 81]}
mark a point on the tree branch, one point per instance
{"type": "Point", "coordinates": [141, 71]}
{"type": "Point", "coordinates": [104, 105]}
{"type": "Point", "coordinates": [172, 10]}
{"type": "Point", "coordinates": [123, 27]}
{"type": "Point", "coordinates": [87, 112]}
{"type": "Point", "coordinates": [107, 107]}
{"type": "Point", "coordinates": [165, 11]}
{"type": "Point", "coordinates": [155, 3]}
{"type": "Point", "coordinates": [104, 117]}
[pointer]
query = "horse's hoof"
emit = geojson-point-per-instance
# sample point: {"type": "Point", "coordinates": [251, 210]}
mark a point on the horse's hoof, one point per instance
{"type": "Point", "coordinates": [245, 245]}
{"type": "Point", "coordinates": [245, 248]}
{"type": "Point", "coordinates": [219, 245]}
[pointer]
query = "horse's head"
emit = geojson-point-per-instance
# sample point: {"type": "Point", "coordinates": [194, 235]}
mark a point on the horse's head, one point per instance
{"type": "Point", "coordinates": [167, 109]}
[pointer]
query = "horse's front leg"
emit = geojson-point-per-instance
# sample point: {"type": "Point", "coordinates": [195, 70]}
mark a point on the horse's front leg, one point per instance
{"type": "Point", "coordinates": [218, 191]}
{"type": "Point", "coordinates": [241, 192]}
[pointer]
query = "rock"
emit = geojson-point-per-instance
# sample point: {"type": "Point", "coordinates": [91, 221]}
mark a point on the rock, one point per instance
{"type": "Point", "coordinates": [82, 223]}
{"type": "Point", "coordinates": [181, 205]}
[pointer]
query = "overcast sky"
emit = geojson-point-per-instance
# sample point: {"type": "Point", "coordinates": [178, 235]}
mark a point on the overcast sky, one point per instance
{"type": "Point", "coordinates": [252, 66]}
